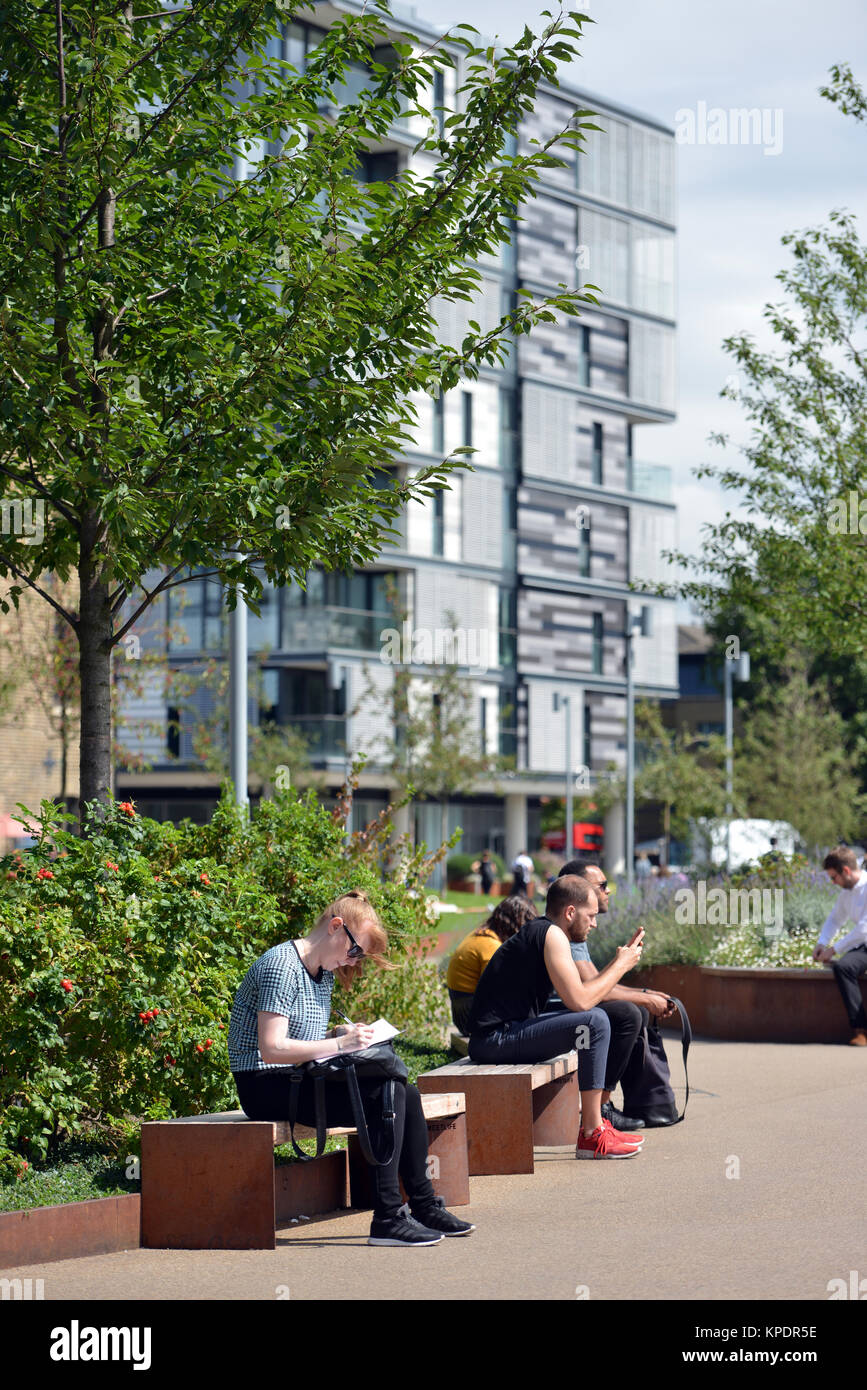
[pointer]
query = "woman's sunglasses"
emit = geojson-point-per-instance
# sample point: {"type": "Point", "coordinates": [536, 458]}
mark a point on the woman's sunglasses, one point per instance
{"type": "Point", "coordinates": [355, 950]}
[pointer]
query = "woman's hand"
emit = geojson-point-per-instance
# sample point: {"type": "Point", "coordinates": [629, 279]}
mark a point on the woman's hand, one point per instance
{"type": "Point", "coordinates": [355, 1035]}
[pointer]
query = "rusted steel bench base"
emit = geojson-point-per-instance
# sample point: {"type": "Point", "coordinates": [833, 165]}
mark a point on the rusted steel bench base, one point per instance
{"type": "Point", "coordinates": [209, 1182]}
{"type": "Point", "coordinates": [511, 1108]}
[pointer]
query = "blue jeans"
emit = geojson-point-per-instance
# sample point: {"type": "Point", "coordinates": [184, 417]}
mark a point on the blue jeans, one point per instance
{"type": "Point", "coordinates": [537, 1039]}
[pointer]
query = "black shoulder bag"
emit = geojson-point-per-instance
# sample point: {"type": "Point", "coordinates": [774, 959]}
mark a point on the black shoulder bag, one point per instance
{"type": "Point", "coordinates": [381, 1062]}
{"type": "Point", "coordinates": [646, 1082]}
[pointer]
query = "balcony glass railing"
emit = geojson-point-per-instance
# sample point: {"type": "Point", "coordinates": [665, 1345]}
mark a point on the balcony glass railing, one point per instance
{"type": "Point", "coordinates": [651, 480]}
{"type": "Point", "coordinates": [309, 629]}
{"type": "Point", "coordinates": [325, 733]}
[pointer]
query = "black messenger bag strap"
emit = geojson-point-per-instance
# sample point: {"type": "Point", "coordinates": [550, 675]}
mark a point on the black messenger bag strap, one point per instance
{"type": "Point", "coordinates": [388, 1114]}
{"type": "Point", "coordinates": [686, 1039]}
{"type": "Point", "coordinates": [319, 1097]}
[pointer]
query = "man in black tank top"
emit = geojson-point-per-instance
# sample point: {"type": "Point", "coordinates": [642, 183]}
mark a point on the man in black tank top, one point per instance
{"type": "Point", "coordinates": [507, 1023]}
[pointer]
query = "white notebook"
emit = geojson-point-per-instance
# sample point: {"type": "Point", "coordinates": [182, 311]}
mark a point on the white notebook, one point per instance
{"type": "Point", "coordinates": [382, 1032]}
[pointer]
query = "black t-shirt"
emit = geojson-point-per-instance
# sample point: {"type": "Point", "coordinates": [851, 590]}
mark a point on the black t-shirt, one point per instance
{"type": "Point", "coordinates": [515, 984]}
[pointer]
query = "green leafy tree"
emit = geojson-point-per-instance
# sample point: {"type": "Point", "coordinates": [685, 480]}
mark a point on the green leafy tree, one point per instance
{"type": "Point", "coordinates": [794, 562]}
{"type": "Point", "coordinates": [433, 747]}
{"type": "Point", "coordinates": [278, 755]}
{"type": "Point", "coordinates": [685, 775]}
{"type": "Point", "coordinates": [203, 371]}
{"type": "Point", "coordinates": [792, 764]}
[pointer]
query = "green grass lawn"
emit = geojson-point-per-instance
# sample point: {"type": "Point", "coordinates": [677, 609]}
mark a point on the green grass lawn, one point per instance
{"type": "Point", "coordinates": [81, 1171]}
{"type": "Point", "coordinates": [476, 902]}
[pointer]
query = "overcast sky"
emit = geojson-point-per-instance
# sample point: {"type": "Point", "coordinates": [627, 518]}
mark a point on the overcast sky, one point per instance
{"type": "Point", "coordinates": [734, 201]}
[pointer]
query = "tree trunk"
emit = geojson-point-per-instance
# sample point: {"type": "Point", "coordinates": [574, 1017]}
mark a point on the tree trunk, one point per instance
{"type": "Point", "coordinates": [95, 633]}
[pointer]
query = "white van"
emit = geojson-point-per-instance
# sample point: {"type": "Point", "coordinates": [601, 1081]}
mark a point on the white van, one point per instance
{"type": "Point", "coordinates": [750, 839]}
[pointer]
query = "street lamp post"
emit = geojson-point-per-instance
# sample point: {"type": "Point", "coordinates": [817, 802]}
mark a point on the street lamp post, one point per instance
{"type": "Point", "coordinates": [736, 668]}
{"type": "Point", "coordinates": [238, 699]}
{"type": "Point", "coordinates": [566, 702]}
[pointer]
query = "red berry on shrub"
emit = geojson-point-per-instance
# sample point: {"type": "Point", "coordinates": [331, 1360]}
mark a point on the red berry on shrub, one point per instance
{"type": "Point", "coordinates": [154, 1012]}
{"type": "Point", "coordinates": [221, 1025]}
{"type": "Point", "coordinates": [203, 878]}
{"type": "Point", "coordinates": [209, 1042]}
{"type": "Point", "coordinates": [199, 1047]}
{"type": "Point", "coordinates": [45, 873]}
{"type": "Point", "coordinates": [142, 1017]}
{"type": "Point", "coordinates": [66, 984]}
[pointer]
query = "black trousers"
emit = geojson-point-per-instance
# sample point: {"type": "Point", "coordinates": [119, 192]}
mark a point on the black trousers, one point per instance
{"type": "Point", "coordinates": [848, 970]}
{"type": "Point", "coordinates": [264, 1095]}
{"type": "Point", "coordinates": [626, 1020]}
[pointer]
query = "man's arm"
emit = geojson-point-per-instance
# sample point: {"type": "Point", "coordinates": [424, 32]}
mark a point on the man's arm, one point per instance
{"type": "Point", "coordinates": [576, 995]}
{"type": "Point", "coordinates": [832, 922]}
{"type": "Point", "coordinates": [858, 935]}
{"type": "Point", "coordinates": [658, 1004]}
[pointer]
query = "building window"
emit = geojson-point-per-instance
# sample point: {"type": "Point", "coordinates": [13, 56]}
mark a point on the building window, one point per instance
{"type": "Point", "coordinates": [584, 550]}
{"type": "Point", "coordinates": [467, 418]}
{"type": "Point", "coordinates": [606, 256]}
{"type": "Point", "coordinates": [508, 721]}
{"type": "Point", "coordinates": [508, 626]}
{"type": "Point", "coordinates": [173, 732]}
{"type": "Point", "coordinates": [603, 356]}
{"type": "Point", "coordinates": [439, 424]}
{"type": "Point", "coordinates": [603, 164]}
{"type": "Point", "coordinates": [653, 270]}
{"type": "Point", "coordinates": [194, 616]}
{"type": "Point", "coordinates": [652, 173]}
{"type": "Point", "coordinates": [438, 521]}
{"type": "Point", "coordinates": [439, 99]}
{"type": "Point", "coordinates": [588, 735]}
{"type": "Point", "coordinates": [597, 454]}
{"type": "Point", "coordinates": [583, 356]}
{"type": "Point", "coordinates": [597, 644]}
{"type": "Point", "coordinates": [509, 437]}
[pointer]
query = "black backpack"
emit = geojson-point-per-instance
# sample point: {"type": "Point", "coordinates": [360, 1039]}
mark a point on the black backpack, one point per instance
{"type": "Point", "coordinates": [646, 1082]}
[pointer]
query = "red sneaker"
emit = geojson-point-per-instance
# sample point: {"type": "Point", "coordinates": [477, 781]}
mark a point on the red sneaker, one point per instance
{"type": "Point", "coordinates": [605, 1143]}
{"type": "Point", "coordinates": [630, 1136]}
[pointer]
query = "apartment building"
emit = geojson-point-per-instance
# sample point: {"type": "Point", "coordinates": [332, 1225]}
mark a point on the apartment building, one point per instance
{"type": "Point", "coordinates": [535, 549]}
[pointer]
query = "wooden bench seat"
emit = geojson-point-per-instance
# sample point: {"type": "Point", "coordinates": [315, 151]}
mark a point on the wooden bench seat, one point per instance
{"type": "Point", "coordinates": [209, 1182]}
{"type": "Point", "coordinates": [512, 1107]}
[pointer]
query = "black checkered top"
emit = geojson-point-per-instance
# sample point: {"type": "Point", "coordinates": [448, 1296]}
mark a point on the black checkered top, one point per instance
{"type": "Point", "coordinates": [278, 983]}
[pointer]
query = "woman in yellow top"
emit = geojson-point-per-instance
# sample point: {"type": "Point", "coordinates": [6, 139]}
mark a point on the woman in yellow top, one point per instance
{"type": "Point", "coordinates": [471, 957]}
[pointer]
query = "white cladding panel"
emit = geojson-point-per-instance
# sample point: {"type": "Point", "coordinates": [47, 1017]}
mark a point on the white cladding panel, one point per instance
{"type": "Point", "coordinates": [655, 657]}
{"type": "Point", "coordinates": [371, 727]}
{"type": "Point", "coordinates": [547, 729]}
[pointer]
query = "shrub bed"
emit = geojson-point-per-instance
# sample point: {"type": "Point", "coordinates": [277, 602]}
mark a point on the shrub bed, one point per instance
{"type": "Point", "coordinates": [120, 954]}
{"type": "Point", "coordinates": [807, 898]}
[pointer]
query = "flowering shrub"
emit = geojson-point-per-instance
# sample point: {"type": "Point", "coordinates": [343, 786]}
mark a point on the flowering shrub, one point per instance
{"type": "Point", "coordinates": [808, 897]}
{"type": "Point", "coordinates": [120, 961]}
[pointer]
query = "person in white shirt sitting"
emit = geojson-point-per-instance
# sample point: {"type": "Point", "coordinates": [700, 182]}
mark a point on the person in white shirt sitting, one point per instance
{"type": "Point", "coordinates": [851, 906]}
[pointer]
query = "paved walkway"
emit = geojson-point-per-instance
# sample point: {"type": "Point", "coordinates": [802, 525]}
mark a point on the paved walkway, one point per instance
{"type": "Point", "coordinates": [674, 1223]}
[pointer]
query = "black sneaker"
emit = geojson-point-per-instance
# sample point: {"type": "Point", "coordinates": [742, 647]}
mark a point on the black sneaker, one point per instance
{"type": "Point", "coordinates": [401, 1229]}
{"type": "Point", "coordinates": [435, 1217]}
{"type": "Point", "coordinates": [620, 1121]}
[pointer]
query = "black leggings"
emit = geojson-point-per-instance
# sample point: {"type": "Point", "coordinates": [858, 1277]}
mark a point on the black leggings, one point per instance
{"type": "Point", "coordinates": [264, 1095]}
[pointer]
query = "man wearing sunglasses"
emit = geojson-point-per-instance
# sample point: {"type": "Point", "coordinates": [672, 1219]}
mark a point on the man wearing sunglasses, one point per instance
{"type": "Point", "coordinates": [627, 1009]}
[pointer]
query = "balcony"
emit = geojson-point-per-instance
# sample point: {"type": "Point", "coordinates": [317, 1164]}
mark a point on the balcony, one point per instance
{"type": "Point", "coordinates": [325, 733]}
{"type": "Point", "coordinates": [318, 628]}
{"type": "Point", "coordinates": [651, 480]}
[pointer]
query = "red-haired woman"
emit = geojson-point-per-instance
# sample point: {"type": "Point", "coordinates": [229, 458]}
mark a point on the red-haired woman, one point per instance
{"type": "Point", "coordinates": [280, 1018]}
